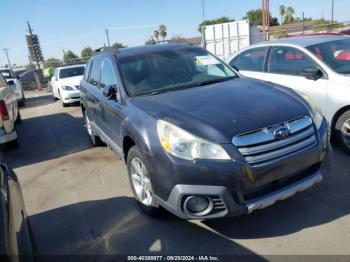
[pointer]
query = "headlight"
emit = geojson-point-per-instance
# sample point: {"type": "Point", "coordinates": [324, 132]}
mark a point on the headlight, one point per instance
{"type": "Point", "coordinates": [182, 144]}
{"type": "Point", "coordinates": [316, 111]}
{"type": "Point", "coordinates": [67, 88]}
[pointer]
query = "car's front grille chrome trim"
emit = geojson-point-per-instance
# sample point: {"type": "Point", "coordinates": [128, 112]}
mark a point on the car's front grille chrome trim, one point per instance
{"type": "Point", "coordinates": [261, 147]}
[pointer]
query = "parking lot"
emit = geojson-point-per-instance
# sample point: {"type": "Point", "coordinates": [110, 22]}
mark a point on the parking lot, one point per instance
{"type": "Point", "coordinates": [79, 201]}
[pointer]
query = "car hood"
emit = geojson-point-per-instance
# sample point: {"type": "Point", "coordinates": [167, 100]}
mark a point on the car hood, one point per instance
{"type": "Point", "coordinates": [71, 81]}
{"type": "Point", "coordinates": [220, 111]}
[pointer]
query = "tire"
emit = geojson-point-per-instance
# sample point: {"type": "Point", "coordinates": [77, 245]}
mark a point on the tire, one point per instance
{"type": "Point", "coordinates": [19, 118]}
{"type": "Point", "coordinates": [342, 131]}
{"type": "Point", "coordinates": [140, 182]}
{"type": "Point", "coordinates": [12, 144]}
{"type": "Point", "coordinates": [95, 140]}
{"type": "Point", "coordinates": [64, 104]}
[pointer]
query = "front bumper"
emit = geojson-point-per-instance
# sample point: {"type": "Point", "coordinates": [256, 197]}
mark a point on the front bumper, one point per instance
{"type": "Point", "coordinates": [235, 188]}
{"type": "Point", "coordinates": [7, 137]}
{"type": "Point", "coordinates": [70, 96]}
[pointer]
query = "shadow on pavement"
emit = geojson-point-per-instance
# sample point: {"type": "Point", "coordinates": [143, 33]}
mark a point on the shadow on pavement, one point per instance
{"type": "Point", "coordinates": [116, 226]}
{"type": "Point", "coordinates": [48, 137]}
{"type": "Point", "coordinates": [37, 101]}
{"type": "Point", "coordinates": [321, 204]}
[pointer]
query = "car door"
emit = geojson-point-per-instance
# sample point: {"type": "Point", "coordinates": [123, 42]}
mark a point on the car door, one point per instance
{"type": "Point", "coordinates": [251, 62]}
{"type": "Point", "coordinates": [93, 93]}
{"type": "Point", "coordinates": [285, 67]}
{"type": "Point", "coordinates": [112, 113]}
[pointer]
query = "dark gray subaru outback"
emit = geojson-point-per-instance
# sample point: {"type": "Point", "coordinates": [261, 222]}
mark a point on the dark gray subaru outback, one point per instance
{"type": "Point", "coordinates": [199, 139]}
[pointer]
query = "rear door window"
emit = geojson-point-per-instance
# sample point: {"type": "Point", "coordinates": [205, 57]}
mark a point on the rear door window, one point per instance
{"type": "Point", "coordinates": [289, 61]}
{"type": "Point", "coordinates": [95, 73]}
{"type": "Point", "coordinates": [251, 60]}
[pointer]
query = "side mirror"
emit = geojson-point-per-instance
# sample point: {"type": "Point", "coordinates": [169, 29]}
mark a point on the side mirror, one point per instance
{"type": "Point", "coordinates": [17, 77]}
{"type": "Point", "coordinates": [109, 92]}
{"type": "Point", "coordinates": [10, 82]}
{"type": "Point", "coordinates": [312, 73]}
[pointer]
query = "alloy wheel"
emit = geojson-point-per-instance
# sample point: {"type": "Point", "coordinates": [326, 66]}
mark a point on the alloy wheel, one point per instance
{"type": "Point", "coordinates": [345, 129]}
{"type": "Point", "coordinates": [141, 181]}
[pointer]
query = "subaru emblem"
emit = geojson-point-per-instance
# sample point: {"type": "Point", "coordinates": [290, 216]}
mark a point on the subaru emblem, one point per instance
{"type": "Point", "coordinates": [281, 133]}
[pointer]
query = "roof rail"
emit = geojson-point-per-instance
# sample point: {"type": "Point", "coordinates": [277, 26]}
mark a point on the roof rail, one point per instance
{"type": "Point", "coordinates": [171, 41]}
{"type": "Point", "coordinates": [105, 49]}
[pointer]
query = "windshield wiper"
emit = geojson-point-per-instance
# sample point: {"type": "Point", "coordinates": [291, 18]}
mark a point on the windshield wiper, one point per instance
{"type": "Point", "coordinates": [186, 86]}
{"type": "Point", "coordinates": [213, 81]}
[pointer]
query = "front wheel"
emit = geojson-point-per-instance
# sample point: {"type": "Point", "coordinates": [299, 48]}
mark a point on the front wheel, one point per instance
{"type": "Point", "coordinates": [140, 182]}
{"type": "Point", "coordinates": [342, 131]}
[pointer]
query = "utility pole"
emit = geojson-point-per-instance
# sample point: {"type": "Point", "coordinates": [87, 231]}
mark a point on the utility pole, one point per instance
{"type": "Point", "coordinates": [203, 25]}
{"type": "Point", "coordinates": [34, 49]}
{"type": "Point", "coordinates": [332, 11]}
{"type": "Point", "coordinates": [303, 23]}
{"type": "Point", "coordinates": [107, 34]}
{"type": "Point", "coordinates": [7, 56]}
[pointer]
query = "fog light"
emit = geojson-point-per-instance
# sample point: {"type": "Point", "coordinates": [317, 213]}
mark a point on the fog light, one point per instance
{"type": "Point", "coordinates": [197, 204]}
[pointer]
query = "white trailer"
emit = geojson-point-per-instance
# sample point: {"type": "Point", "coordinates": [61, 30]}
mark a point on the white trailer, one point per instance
{"type": "Point", "coordinates": [227, 38]}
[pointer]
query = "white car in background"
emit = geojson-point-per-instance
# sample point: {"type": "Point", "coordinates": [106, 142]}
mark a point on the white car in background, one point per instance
{"type": "Point", "coordinates": [65, 83]}
{"type": "Point", "coordinates": [318, 67]}
{"type": "Point", "coordinates": [15, 84]}
{"type": "Point", "coordinates": [9, 113]}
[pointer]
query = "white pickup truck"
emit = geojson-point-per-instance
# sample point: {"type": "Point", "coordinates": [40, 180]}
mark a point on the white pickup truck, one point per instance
{"type": "Point", "coordinates": [9, 113]}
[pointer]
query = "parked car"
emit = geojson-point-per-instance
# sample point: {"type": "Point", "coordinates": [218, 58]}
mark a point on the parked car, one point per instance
{"type": "Point", "coordinates": [9, 113]}
{"type": "Point", "coordinates": [65, 83]}
{"type": "Point", "coordinates": [15, 84]}
{"type": "Point", "coordinates": [16, 243]}
{"type": "Point", "coordinates": [198, 139]}
{"type": "Point", "coordinates": [345, 32]}
{"type": "Point", "coordinates": [318, 66]}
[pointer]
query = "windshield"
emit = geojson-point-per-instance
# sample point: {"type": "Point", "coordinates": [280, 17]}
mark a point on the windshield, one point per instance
{"type": "Point", "coordinates": [7, 74]}
{"type": "Point", "coordinates": [335, 54]}
{"type": "Point", "coordinates": [72, 72]}
{"type": "Point", "coordinates": [171, 69]}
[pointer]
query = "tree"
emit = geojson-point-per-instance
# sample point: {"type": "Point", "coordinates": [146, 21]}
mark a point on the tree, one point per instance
{"type": "Point", "coordinates": [162, 31]}
{"type": "Point", "coordinates": [255, 17]}
{"type": "Point", "coordinates": [220, 20]}
{"type": "Point", "coordinates": [325, 25]}
{"type": "Point", "coordinates": [70, 57]}
{"type": "Point", "coordinates": [86, 52]}
{"type": "Point", "coordinates": [177, 39]}
{"type": "Point", "coordinates": [289, 15]}
{"type": "Point", "coordinates": [30, 67]}
{"type": "Point", "coordinates": [150, 41]}
{"type": "Point", "coordinates": [52, 62]}
{"type": "Point", "coordinates": [156, 35]}
{"type": "Point", "coordinates": [282, 10]}
{"type": "Point", "coordinates": [118, 45]}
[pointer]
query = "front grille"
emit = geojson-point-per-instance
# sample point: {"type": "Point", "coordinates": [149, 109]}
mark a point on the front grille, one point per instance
{"type": "Point", "coordinates": [260, 147]}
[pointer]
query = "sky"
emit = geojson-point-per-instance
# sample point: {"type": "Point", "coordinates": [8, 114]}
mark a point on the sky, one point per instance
{"type": "Point", "coordinates": [75, 24]}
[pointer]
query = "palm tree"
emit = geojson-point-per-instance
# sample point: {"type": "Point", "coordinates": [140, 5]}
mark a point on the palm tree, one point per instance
{"type": "Point", "coordinates": [290, 13]}
{"type": "Point", "coordinates": [156, 35]}
{"type": "Point", "coordinates": [282, 12]}
{"type": "Point", "coordinates": [162, 31]}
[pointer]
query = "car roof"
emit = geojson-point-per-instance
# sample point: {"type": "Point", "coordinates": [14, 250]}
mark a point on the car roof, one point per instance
{"type": "Point", "coordinates": [144, 49]}
{"type": "Point", "coordinates": [305, 41]}
{"type": "Point", "coordinates": [70, 66]}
